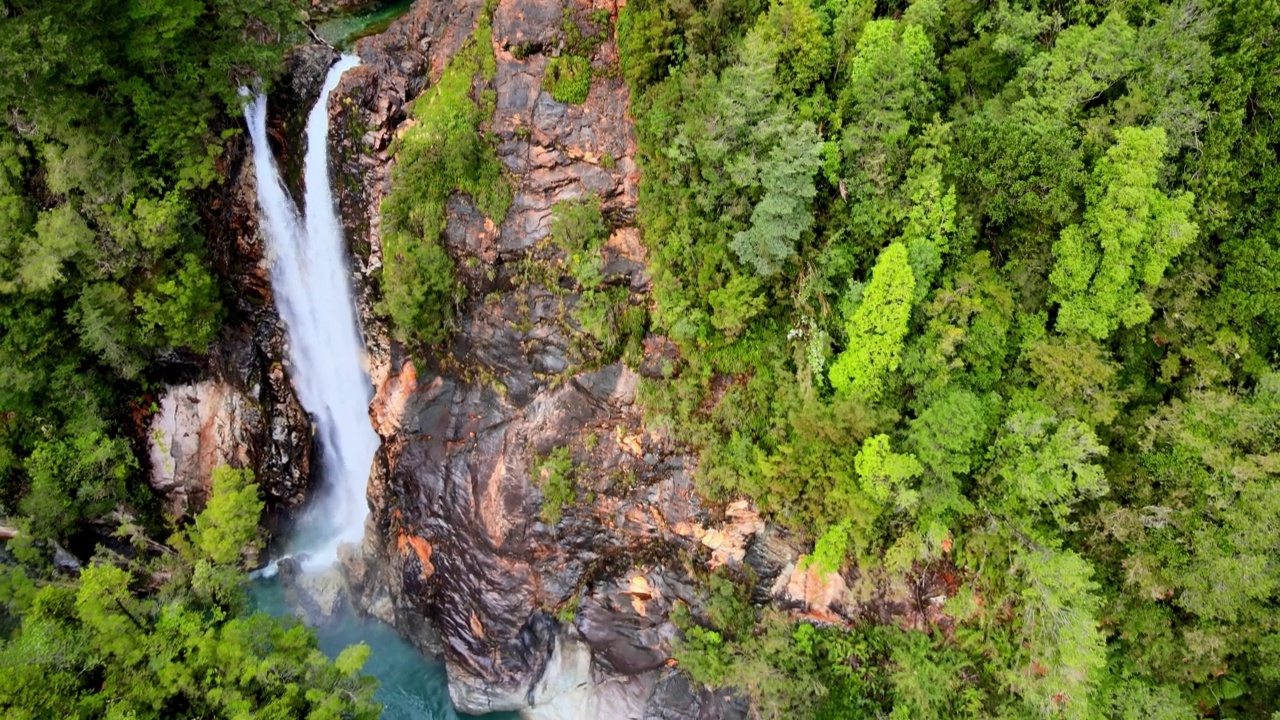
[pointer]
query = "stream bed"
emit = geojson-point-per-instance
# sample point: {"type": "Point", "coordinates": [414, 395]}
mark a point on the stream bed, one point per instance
{"type": "Point", "coordinates": [411, 687]}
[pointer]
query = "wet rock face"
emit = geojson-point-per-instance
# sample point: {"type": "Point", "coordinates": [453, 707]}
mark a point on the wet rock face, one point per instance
{"type": "Point", "coordinates": [288, 104]}
{"type": "Point", "coordinates": [316, 598]}
{"type": "Point", "coordinates": [198, 428]}
{"type": "Point", "coordinates": [569, 620]}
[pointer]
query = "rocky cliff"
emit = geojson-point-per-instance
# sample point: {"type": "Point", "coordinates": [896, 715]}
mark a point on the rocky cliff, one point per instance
{"type": "Point", "coordinates": [237, 406]}
{"type": "Point", "coordinates": [557, 620]}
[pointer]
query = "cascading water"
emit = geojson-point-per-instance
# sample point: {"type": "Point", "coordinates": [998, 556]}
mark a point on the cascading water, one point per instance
{"type": "Point", "coordinates": [313, 293]}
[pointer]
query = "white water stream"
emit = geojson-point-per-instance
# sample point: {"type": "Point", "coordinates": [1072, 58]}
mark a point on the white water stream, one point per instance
{"type": "Point", "coordinates": [312, 286]}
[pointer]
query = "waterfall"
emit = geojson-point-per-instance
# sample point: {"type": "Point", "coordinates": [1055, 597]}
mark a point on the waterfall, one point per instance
{"type": "Point", "coordinates": [312, 287]}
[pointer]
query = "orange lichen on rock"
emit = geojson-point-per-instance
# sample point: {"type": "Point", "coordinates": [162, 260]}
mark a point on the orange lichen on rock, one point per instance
{"type": "Point", "coordinates": [421, 548]}
{"type": "Point", "coordinates": [386, 411]}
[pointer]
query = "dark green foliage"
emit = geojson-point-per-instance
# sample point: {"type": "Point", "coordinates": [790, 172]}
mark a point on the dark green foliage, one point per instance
{"type": "Point", "coordinates": [985, 289]}
{"type": "Point", "coordinates": [115, 117]}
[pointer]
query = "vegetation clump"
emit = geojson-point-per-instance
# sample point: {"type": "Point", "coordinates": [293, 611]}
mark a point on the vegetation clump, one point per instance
{"type": "Point", "coordinates": [555, 474]}
{"type": "Point", "coordinates": [568, 79]}
{"type": "Point", "coordinates": [568, 75]}
{"type": "Point", "coordinates": [604, 312]}
{"type": "Point", "coordinates": [442, 153]}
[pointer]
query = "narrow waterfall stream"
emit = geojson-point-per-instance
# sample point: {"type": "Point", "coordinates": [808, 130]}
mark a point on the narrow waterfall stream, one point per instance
{"type": "Point", "coordinates": [309, 274]}
{"type": "Point", "coordinates": [313, 293]}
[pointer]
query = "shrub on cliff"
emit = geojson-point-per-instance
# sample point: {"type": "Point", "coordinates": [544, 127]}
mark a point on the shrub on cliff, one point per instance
{"type": "Point", "coordinates": [442, 153]}
{"type": "Point", "coordinates": [568, 79]}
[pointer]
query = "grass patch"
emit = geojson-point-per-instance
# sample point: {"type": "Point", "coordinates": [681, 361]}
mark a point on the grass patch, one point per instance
{"type": "Point", "coordinates": [555, 476]}
{"type": "Point", "coordinates": [568, 79]}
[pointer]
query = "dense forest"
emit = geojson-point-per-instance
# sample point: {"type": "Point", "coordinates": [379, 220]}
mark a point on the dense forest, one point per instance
{"type": "Point", "coordinates": [988, 289]}
{"type": "Point", "coordinates": [115, 116]}
{"type": "Point", "coordinates": [982, 288]}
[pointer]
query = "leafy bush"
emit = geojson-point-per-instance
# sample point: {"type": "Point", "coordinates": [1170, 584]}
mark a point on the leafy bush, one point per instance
{"type": "Point", "coordinates": [568, 79]}
{"type": "Point", "coordinates": [579, 230]}
{"type": "Point", "coordinates": [555, 475]}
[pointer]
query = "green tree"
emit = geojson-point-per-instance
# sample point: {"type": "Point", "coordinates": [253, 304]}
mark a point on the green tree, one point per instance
{"type": "Point", "coordinates": [782, 216]}
{"type": "Point", "coordinates": [887, 94]}
{"type": "Point", "coordinates": [1131, 231]}
{"type": "Point", "coordinates": [877, 329]}
{"type": "Point", "coordinates": [99, 650]}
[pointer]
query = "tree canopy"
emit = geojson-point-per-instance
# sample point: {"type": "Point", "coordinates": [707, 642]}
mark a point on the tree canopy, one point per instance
{"type": "Point", "coordinates": [986, 290]}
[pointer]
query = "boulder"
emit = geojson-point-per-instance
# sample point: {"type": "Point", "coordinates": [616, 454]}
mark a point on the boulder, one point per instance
{"type": "Point", "coordinates": [316, 597]}
{"type": "Point", "coordinates": [198, 427]}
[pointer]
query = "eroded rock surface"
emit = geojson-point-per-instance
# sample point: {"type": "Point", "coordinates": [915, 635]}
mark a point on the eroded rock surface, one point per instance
{"type": "Point", "coordinates": [197, 428]}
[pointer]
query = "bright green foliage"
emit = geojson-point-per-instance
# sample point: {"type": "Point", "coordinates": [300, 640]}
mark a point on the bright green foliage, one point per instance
{"type": "Point", "coordinates": [1085, 61]}
{"type": "Point", "coordinates": [568, 76]}
{"type": "Point", "coordinates": [555, 475]}
{"type": "Point", "coordinates": [443, 153]}
{"type": "Point", "coordinates": [880, 483]}
{"type": "Point", "coordinates": [579, 230]}
{"type": "Point", "coordinates": [75, 479]}
{"type": "Point", "coordinates": [1062, 645]}
{"type": "Point", "coordinates": [1047, 463]}
{"type": "Point", "coordinates": [887, 94]}
{"type": "Point", "coordinates": [877, 329]}
{"type": "Point", "coordinates": [99, 650]}
{"type": "Point", "coordinates": [830, 549]}
{"type": "Point", "coordinates": [931, 218]}
{"type": "Point", "coordinates": [95, 648]}
{"type": "Point", "coordinates": [184, 308]}
{"type": "Point", "coordinates": [1019, 400]}
{"type": "Point", "coordinates": [227, 529]}
{"type": "Point", "coordinates": [884, 473]}
{"type": "Point", "coordinates": [1131, 232]}
{"type": "Point", "coordinates": [568, 79]}
{"type": "Point", "coordinates": [966, 337]}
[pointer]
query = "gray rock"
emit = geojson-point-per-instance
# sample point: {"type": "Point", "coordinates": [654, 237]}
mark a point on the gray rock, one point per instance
{"type": "Point", "coordinates": [315, 597]}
